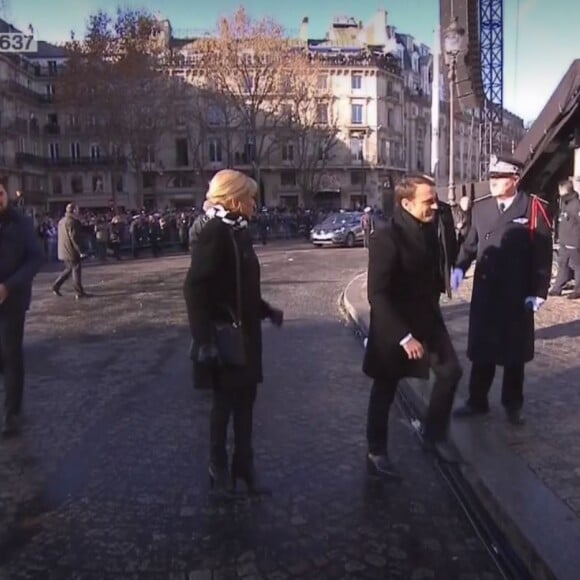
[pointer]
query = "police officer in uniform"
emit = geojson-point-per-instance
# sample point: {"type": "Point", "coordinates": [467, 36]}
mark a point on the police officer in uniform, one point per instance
{"type": "Point", "coordinates": [510, 239]}
{"type": "Point", "coordinates": [569, 237]}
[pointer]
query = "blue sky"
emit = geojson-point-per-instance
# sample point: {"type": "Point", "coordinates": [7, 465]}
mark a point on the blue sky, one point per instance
{"type": "Point", "coordinates": [545, 30]}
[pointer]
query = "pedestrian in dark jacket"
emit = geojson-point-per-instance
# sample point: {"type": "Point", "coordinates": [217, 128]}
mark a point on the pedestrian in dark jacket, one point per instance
{"type": "Point", "coordinates": [407, 334]}
{"type": "Point", "coordinates": [512, 245]}
{"type": "Point", "coordinates": [20, 259]}
{"type": "Point", "coordinates": [70, 244]}
{"type": "Point", "coordinates": [220, 244]}
{"type": "Point", "coordinates": [569, 238]}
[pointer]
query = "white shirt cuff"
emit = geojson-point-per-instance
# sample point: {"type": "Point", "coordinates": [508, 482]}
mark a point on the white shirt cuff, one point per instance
{"type": "Point", "coordinates": [407, 339]}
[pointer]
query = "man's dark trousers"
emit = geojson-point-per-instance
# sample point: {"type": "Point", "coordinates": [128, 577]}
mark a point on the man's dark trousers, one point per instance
{"type": "Point", "coordinates": [568, 260]}
{"type": "Point", "coordinates": [512, 392]}
{"type": "Point", "coordinates": [74, 269]}
{"type": "Point", "coordinates": [11, 358]}
{"type": "Point", "coordinates": [447, 370]}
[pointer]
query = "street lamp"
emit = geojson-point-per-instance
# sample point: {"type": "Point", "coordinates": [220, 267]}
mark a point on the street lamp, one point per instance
{"type": "Point", "coordinates": [453, 41]}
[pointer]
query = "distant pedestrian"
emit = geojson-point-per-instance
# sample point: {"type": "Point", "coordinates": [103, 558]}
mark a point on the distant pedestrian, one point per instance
{"type": "Point", "coordinates": [569, 238]}
{"type": "Point", "coordinates": [407, 334]}
{"type": "Point", "coordinates": [510, 239]}
{"type": "Point", "coordinates": [70, 244]}
{"type": "Point", "coordinates": [367, 225]}
{"type": "Point", "coordinates": [20, 259]}
{"type": "Point", "coordinates": [225, 310]}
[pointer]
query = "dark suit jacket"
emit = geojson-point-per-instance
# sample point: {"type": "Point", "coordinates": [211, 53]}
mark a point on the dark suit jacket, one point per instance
{"type": "Point", "coordinates": [404, 286]}
{"type": "Point", "coordinates": [20, 258]}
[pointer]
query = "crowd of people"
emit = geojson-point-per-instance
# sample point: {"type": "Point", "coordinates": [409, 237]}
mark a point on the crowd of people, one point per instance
{"type": "Point", "coordinates": [108, 233]}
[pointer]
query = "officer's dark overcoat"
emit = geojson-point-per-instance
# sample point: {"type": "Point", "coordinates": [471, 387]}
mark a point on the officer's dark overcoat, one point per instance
{"type": "Point", "coordinates": [511, 265]}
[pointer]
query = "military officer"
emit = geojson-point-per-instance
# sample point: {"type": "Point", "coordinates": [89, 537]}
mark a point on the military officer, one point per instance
{"type": "Point", "coordinates": [569, 237]}
{"type": "Point", "coordinates": [510, 240]}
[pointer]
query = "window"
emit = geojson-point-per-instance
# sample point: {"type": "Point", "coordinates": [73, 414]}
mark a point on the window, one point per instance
{"type": "Point", "coordinates": [356, 82]}
{"type": "Point", "coordinates": [356, 115]}
{"type": "Point", "coordinates": [357, 177]}
{"type": "Point", "coordinates": [385, 151]}
{"type": "Point", "coordinates": [76, 184]}
{"type": "Point", "coordinates": [95, 151]}
{"type": "Point", "coordinates": [97, 184]}
{"type": "Point", "coordinates": [288, 151]}
{"type": "Point", "coordinates": [149, 154]}
{"type": "Point", "coordinates": [53, 151]}
{"type": "Point", "coordinates": [73, 120]}
{"type": "Point", "coordinates": [286, 111]}
{"type": "Point", "coordinates": [322, 113]}
{"type": "Point", "coordinates": [214, 116]}
{"type": "Point", "coordinates": [181, 153]}
{"type": "Point", "coordinates": [148, 180]}
{"type": "Point", "coordinates": [322, 82]}
{"type": "Point", "coordinates": [56, 183]}
{"type": "Point", "coordinates": [215, 151]}
{"type": "Point", "coordinates": [75, 150]}
{"type": "Point", "coordinates": [50, 90]}
{"type": "Point", "coordinates": [249, 84]}
{"type": "Point", "coordinates": [288, 178]}
{"type": "Point", "coordinates": [391, 118]}
{"type": "Point", "coordinates": [356, 149]}
{"type": "Point", "coordinates": [21, 146]}
{"type": "Point", "coordinates": [322, 152]}
{"type": "Point", "coordinates": [389, 88]}
{"type": "Point", "coordinates": [52, 67]}
{"type": "Point", "coordinates": [118, 181]}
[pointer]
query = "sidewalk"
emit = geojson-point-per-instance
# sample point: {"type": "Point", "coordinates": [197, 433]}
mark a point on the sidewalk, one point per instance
{"type": "Point", "coordinates": [528, 478]}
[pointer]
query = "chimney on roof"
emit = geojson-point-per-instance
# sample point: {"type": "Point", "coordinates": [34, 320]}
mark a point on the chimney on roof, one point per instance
{"type": "Point", "coordinates": [304, 30]}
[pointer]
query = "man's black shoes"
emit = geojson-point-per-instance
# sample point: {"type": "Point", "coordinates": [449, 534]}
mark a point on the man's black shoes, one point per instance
{"type": "Point", "coordinates": [515, 417]}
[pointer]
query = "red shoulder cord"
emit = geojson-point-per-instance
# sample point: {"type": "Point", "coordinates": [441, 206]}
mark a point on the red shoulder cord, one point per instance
{"type": "Point", "coordinates": [538, 207]}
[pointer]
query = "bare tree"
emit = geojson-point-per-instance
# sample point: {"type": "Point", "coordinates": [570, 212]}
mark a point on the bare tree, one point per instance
{"type": "Point", "coordinates": [114, 81]}
{"type": "Point", "coordinates": [312, 132]}
{"type": "Point", "coordinates": [251, 64]}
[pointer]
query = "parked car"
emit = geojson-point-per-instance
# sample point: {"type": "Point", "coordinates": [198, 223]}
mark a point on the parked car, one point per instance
{"type": "Point", "coordinates": [339, 229]}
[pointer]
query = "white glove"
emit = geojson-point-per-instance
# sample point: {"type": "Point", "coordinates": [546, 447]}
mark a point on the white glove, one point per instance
{"type": "Point", "coordinates": [534, 303]}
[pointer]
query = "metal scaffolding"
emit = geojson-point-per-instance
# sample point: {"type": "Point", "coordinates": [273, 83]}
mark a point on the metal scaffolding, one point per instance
{"type": "Point", "coordinates": [491, 47]}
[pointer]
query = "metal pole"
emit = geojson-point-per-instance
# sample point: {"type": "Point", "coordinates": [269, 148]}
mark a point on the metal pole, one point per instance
{"type": "Point", "coordinates": [451, 188]}
{"type": "Point", "coordinates": [435, 97]}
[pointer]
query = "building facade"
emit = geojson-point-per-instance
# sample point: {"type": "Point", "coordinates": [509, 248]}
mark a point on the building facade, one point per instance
{"type": "Point", "coordinates": [376, 90]}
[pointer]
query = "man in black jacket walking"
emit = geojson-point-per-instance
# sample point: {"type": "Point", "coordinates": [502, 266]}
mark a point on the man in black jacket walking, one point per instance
{"type": "Point", "coordinates": [20, 259]}
{"type": "Point", "coordinates": [407, 334]}
{"type": "Point", "coordinates": [569, 238]}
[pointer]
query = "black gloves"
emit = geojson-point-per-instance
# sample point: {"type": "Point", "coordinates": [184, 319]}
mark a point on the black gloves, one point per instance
{"type": "Point", "coordinates": [276, 317]}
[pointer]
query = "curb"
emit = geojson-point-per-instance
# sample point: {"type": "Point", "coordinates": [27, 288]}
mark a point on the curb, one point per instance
{"type": "Point", "coordinates": [542, 531]}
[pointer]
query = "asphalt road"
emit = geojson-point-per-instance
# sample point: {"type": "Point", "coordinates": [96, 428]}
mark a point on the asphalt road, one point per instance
{"type": "Point", "coordinates": [109, 478]}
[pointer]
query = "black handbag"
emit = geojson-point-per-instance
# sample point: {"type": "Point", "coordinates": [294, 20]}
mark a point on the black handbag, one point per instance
{"type": "Point", "coordinates": [229, 336]}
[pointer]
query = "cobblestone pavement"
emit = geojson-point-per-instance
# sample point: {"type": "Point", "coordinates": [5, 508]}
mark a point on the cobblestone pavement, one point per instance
{"type": "Point", "coordinates": [109, 479]}
{"type": "Point", "coordinates": [550, 443]}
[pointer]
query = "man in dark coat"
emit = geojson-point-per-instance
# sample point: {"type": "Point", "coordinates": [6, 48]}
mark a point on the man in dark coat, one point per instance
{"type": "Point", "coordinates": [569, 238]}
{"type": "Point", "coordinates": [407, 334]}
{"type": "Point", "coordinates": [70, 243]}
{"type": "Point", "coordinates": [511, 241]}
{"type": "Point", "coordinates": [20, 259]}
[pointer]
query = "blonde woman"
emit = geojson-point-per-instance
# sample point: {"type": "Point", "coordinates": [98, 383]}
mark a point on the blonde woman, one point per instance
{"type": "Point", "coordinates": [222, 284]}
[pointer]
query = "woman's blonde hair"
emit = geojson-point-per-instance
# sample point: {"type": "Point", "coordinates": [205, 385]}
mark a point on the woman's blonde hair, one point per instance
{"type": "Point", "coordinates": [234, 191]}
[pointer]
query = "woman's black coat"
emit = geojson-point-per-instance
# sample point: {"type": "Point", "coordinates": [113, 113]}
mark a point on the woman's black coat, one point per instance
{"type": "Point", "coordinates": [210, 293]}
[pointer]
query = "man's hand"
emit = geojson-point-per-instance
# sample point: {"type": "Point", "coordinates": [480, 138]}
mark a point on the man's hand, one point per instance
{"type": "Point", "coordinates": [414, 349]}
{"type": "Point", "coordinates": [534, 303]}
{"type": "Point", "coordinates": [3, 293]}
